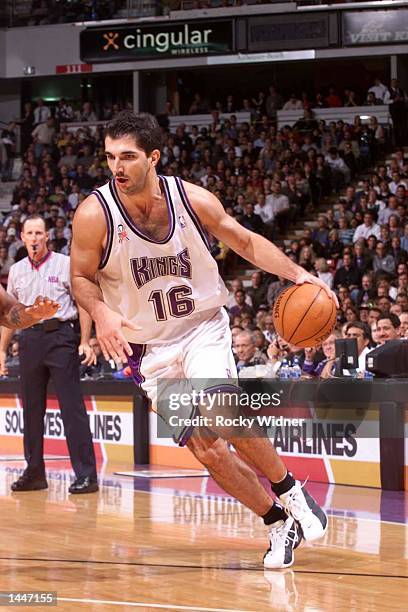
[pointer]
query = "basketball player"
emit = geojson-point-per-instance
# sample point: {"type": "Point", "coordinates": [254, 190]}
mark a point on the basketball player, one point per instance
{"type": "Point", "coordinates": [142, 269]}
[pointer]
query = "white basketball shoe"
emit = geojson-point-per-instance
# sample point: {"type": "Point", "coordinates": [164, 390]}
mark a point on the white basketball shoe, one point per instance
{"type": "Point", "coordinates": [301, 506]}
{"type": "Point", "coordinates": [284, 537]}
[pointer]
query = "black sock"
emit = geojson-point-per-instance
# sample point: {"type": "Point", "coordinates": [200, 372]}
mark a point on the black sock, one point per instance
{"type": "Point", "coordinates": [284, 485]}
{"type": "Point", "coordinates": [276, 513]}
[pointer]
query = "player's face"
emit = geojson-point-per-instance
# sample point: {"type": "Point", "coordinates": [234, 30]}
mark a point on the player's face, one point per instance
{"type": "Point", "coordinates": [35, 238]}
{"type": "Point", "coordinates": [129, 164]}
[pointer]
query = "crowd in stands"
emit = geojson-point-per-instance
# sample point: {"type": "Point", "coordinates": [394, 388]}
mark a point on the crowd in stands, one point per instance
{"type": "Point", "coordinates": [336, 175]}
{"type": "Point", "coordinates": [44, 12]}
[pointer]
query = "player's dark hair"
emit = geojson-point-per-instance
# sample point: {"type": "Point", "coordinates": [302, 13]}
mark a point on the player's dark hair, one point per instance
{"type": "Point", "coordinates": [143, 128]}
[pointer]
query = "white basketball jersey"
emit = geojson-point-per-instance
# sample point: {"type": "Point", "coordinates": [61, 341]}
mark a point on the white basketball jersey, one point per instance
{"type": "Point", "coordinates": [166, 287]}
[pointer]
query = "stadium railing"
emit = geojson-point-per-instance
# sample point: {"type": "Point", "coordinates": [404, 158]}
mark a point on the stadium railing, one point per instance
{"type": "Point", "coordinates": [346, 113]}
{"type": "Point", "coordinates": [174, 121]}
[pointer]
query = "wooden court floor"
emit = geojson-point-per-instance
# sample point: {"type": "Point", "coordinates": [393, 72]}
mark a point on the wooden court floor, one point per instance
{"type": "Point", "coordinates": [180, 544]}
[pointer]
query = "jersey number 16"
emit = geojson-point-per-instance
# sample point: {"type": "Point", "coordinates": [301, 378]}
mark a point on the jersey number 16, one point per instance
{"type": "Point", "coordinates": [178, 303]}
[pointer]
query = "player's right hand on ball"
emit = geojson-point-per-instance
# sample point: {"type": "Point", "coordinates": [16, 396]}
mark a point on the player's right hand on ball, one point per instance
{"type": "Point", "coordinates": [113, 343]}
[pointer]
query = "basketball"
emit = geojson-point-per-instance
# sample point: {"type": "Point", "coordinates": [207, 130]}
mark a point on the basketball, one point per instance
{"type": "Point", "coordinates": [304, 315]}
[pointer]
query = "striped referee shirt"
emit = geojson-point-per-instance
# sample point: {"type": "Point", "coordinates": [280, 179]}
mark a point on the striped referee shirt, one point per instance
{"type": "Point", "coordinates": [49, 278]}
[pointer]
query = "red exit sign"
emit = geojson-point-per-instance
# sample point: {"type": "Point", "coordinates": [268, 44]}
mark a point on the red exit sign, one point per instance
{"type": "Point", "coordinates": [73, 68]}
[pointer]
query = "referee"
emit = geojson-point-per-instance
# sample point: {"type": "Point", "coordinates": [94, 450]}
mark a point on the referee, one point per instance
{"type": "Point", "coordinates": [50, 350]}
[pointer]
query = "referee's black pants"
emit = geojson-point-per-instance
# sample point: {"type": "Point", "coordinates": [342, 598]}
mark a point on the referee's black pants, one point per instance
{"type": "Point", "coordinates": [45, 355]}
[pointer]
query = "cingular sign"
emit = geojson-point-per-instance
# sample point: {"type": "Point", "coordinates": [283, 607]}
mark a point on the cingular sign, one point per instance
{"type": "Point", "coordinates": [132, 42]}
{"type": "Point", "coordinates": [164, 41]}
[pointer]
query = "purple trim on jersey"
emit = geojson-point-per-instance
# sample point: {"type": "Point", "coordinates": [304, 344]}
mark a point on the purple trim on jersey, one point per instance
{"type": "Point", "coordinates": [131, 224]}
{"type": "Point", "coordinates": [135, 362]}
{"type": "Point", "coordinates": [199, 226]}
{"type": "Point", "coordinates": [109, 227]}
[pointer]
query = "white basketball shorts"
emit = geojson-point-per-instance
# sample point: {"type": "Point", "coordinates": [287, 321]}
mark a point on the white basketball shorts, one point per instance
{"type": "Point", "coordinates": [202, 359]}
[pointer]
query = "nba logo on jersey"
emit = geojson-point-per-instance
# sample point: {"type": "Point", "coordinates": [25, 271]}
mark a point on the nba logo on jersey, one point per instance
{"type": "Point", "coordinates": [182, 221]}
{"type": "Point", "coordinates": [122, 233]}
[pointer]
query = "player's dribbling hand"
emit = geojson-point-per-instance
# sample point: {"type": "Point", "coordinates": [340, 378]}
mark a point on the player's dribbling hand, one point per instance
{"type": "Point", "coordinates": [306, 277]}
{"type": "Point", "coordinates": [43, 308]}
{"type": "Point", "coordinates": [113, 344]}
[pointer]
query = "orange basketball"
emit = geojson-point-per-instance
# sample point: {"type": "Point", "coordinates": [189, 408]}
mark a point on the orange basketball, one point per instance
{"type": "Point", "coordinates": [304, 315]}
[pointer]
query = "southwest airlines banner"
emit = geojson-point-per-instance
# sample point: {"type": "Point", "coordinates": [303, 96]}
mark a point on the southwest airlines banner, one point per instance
{"type": "Point", "coordinates": [110, 419]}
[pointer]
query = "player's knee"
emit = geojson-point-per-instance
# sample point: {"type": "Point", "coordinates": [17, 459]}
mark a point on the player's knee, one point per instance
{"type": "Point", "coordinates": [210, 453]}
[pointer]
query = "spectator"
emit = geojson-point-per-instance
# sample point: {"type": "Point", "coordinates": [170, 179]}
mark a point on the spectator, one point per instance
{"type": "Point", "coordinates": [236, 284]}
{"type": "Point", "coordinates": [251, 221]}
{"type": "Point", "coordinates": [333, 100]}
{"type": "Point", "coordinates": [326, 367]}
{"type": "Point", "coordinates": [367, 229]}
{"type": "Point", "coordinates": [345, 233]}
{"type": "Point", "coordinates": [241, 307]}
{"type": "Point", "coordinates": [275, 288]}
{"type": "Point", "coordinates": [271, 105]}
{"type": "Point", "coordinates": [8, 140]}
{"type": "Point", "coordinates": [367, 292]}
{"type": "Point", "coordinates": [388, 328]}
{"type": "Point", "coordinates": [26, 126]}
{"type": "Point", "coordinates": [383, 261]}
{"type": "Point", "coordinates": [307, 124]}
{"type": "Point", "coordinates": [258, 290]}
{"type": "Point", "coordinates": [246, 351]}
{"type": "Point", "coordinates": [101, 368]}
{"type": "Point", "coordinates": [41, 113]}
{"type": "Point", "coordinates": [350, 98]}
{"type": "Point", "coordinates": [391, 208]}
{"type": "Point", "coordinates": [87, 113]}
{"type": "Point", "coordinates": [13, 356]}
{"type": "Point", "coordinates": [323, 272]}
{"type": "Point", "coordinates": [384, 303]}
{"type": "Point", "coordinates": [293, 103]}
{"type": "Point", "coordinates": [307, 258]}
{"type": "Point", "coordinates": [64, 111]}
{"type": "Point", "coordinates": [279, 204]}
{"type": "Point", "coordinates": [321, 234]}
{"type": "Point", "coordinates": [5, 262]}
{"type": "Point", "coordinates": [340, 172]}
{"type": "Point", "coordinates": [404, 324]}
{"type": "Point", "coordinates": [43, 136]}
{"type": "Point", "coordinates": [397, 101]}
{"type": "Point", "coordinates": [380, 92]}
{"type": "Point", "coordinates": [347, 275]}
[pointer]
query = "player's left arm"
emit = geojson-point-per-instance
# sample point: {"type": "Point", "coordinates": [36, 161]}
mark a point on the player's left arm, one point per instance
{"type": "Point", "coordinates": [252, 247]}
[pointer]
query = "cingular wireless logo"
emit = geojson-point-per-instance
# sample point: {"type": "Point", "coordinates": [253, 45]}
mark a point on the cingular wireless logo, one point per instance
{"type": "Point", "coordinates": [183, 37]}
{"type": "Point", "coordinates": [142, 41]}
{"type": "Point", "coordinates": [181, 41]}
